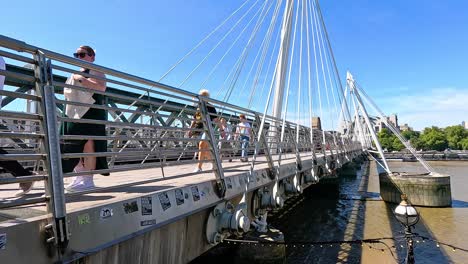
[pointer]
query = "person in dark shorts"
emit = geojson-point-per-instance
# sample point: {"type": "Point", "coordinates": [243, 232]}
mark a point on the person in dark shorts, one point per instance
{"type": "Point", "coordinates": [12, 166]}
{"type": "Point", "coordinates": [84, 182]}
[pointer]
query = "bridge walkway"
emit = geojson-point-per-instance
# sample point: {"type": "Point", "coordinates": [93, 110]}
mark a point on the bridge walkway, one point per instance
{"type": "Point", "coordinates": [125, 185]}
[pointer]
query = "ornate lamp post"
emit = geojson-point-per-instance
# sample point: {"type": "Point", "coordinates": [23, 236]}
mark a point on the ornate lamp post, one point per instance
{"type": "Point", "coordinates": [408, 216]}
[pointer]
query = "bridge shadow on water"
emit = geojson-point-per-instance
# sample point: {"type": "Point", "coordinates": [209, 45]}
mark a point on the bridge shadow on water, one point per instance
{"type": "Point", "coordinates": [331, 211]}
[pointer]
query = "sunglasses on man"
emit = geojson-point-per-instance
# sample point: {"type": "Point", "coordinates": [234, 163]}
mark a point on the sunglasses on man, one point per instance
{"type": "Point", "coordinates": [81, 55]}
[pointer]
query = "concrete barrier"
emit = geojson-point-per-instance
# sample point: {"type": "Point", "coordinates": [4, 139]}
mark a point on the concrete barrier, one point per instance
{"type": "Point", "coordinates": [422, 190]}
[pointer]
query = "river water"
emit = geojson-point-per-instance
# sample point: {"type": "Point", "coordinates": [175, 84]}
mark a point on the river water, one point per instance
{"type": "Point", "coordinates": [357, 212]}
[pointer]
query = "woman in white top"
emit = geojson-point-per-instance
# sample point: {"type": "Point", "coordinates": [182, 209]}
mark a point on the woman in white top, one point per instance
{"type": "Point", "coordinates": [96, 81]}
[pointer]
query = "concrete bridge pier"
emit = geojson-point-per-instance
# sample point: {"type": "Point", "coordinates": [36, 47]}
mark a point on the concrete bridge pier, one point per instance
{"type": "Point", "coordinates": [431, 190]}
{"type": "Point", "coordinates": [349, 169]}
{"type": "Point", "coordinates": [259, 252]}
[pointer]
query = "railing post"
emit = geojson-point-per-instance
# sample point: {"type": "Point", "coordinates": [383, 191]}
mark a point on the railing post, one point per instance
{"type": "Point", "coordinates": [296, 148]}
{"type": "Point", "coordinates": [312, 144]}
{"type": "Point", "coordinates": [263, 141]}
{"type": "Point", "coordinates": [220, 183]}
{"type": "Point", "coordinates": [54, 187]}
{"type": "Point", "coordinates": [310, 133]}
{"type": "Point", "coordinates": [332, 157]}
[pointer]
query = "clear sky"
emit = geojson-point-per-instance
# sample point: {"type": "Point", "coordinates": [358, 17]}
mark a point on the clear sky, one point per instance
{"type": "Point", "coordinates": [410, 56]}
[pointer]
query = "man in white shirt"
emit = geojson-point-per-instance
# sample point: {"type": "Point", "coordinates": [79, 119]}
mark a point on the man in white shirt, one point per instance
{"type": "Point", "coordinates": [243, 132]}
{"type": "Point", "coordinates": [13, 166]}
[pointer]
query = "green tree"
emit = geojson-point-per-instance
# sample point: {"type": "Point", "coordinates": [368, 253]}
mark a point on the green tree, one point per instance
{"type": "Point", "coordinates": [385, 139]}
{"type": "Point", "coordinates": [413, 138]}
{"type": "Point", "coordinates": [434, 138]}
{"type": "Point", "coordinates": [397, 145]}
{"type": "Point", "coordinates": [389, 141]}
{"type": "Point", "coordinates": [455, 135]}
{"type": "Point", "coordinates": [464, 144]}
{"type": "Point", "coordinates": [410, 135]}
{"type": "Point", "coordinates": [417, 143]}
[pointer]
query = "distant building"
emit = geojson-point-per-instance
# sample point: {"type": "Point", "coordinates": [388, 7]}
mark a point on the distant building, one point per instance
{"type": "Point", "coordinates": [405, 127]}
{"type": "Point", "coordinates": [316, 124]}
{"type": "Point", "coordinates": [465, 124]}
{"type": "Point", "coordinates": [393, 119]}
{"type": "Point", "coordinates": [379, 124]}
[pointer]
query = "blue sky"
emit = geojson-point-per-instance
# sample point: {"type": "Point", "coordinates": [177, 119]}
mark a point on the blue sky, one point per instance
{"type": "Point", "coordinates": [410, 56]}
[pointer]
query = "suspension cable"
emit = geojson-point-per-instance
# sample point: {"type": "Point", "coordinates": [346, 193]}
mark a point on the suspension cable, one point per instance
{"type": "Point", "coordinates": [319, 11]}
{"type": "Point", "coordinates": [229, 49]}
{"type": "Point", "coordinates": [262, 123]}
{"type": "Point", "coordinates": [317, 75]}
{"type": "Point", "coordinates": [216, 46]}
{"type": "Point", "coordinates": [300, 74]}
{"type": "Point", "coordinates": [285, 107]}
{"type": "Point", "coordinates": [238, 61]}
{"type": "Point", "coordinates": [270, 63]}
{"type": "Point", "coordinates": [330, 83]}
{"type": "Point", "coordinates": [245, 52]}
{"type": "Point", "coordinates": [336, 75]}
{"type": "Point", "coordinates": [188, 54]}
{"type": "Point", "coordinates": [251, 68]}
{"type": "Point", "coordinates": [264, 53]}
{"type": "Point", "coordinates": [309, 83]}
{"type": "Point", "coordinates": [203, 40]}
{"type": "Point", "coordinates": [323, 76]}
{"type": "Point", "coordinates": [358, 122]}
{"type": "Point", "coordinates": [395, 131]}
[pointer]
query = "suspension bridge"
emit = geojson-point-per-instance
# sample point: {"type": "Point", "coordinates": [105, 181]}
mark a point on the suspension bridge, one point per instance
{"type": "Point", "coordinates": [153, 207]}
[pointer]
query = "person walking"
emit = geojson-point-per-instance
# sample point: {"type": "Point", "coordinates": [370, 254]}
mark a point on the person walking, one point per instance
{"type": "Point", "coordinates": [203, 152]}
{"type": "Point", "coordinates": [244, 133]}
{"type": "Point", "coordinates": [12, 166]}
{"type": "Point", "coordinates": [95, 81]}
{"type": "Point", "coordinates": [224, 145]}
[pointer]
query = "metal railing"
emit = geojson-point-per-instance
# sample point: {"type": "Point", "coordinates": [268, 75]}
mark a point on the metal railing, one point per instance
{"type": "Point", "coordinates": [148, 126]}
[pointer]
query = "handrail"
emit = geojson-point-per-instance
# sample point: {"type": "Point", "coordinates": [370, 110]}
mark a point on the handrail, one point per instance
{"type": "Point", "coordinates": [24, 47]}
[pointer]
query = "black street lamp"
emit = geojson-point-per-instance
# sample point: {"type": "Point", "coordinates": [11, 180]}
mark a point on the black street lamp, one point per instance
{"type": "Point", "coordinates": [408, 216]}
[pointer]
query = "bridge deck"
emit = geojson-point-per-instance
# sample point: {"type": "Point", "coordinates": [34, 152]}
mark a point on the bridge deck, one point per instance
{"type": "Point", "coordinates": [110, 189]}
